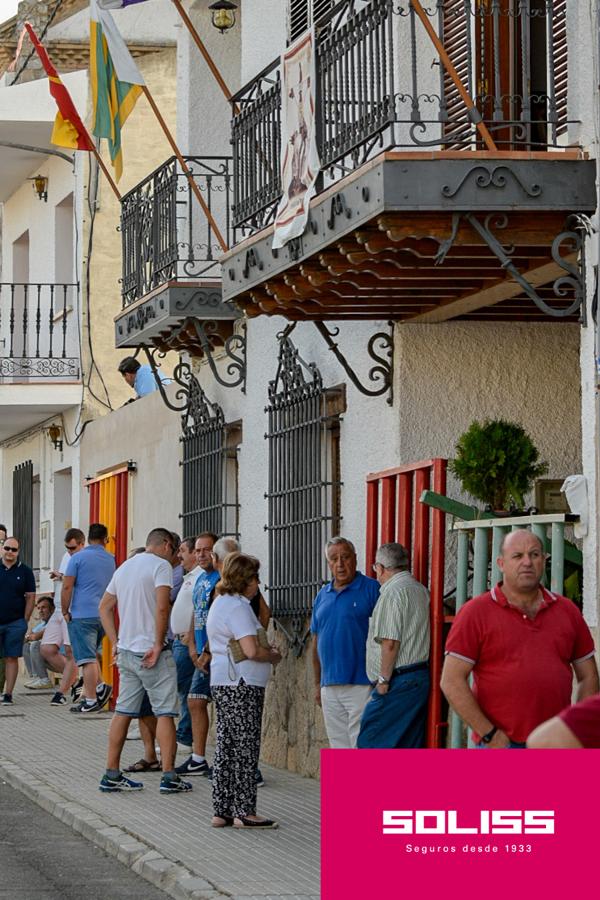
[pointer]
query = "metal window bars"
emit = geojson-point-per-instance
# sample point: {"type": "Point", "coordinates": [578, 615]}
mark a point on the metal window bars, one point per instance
{"type": "Point", "coordinates": [210, 472]}
{"type": "Point", "coordinates": [303, 486]}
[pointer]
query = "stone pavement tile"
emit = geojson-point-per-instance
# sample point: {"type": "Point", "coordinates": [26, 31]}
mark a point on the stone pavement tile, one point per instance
{"type": "Point", "coordinates": [67, 755]}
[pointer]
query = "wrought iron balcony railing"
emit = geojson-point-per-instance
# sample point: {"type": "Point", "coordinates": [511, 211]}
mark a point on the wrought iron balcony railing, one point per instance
{"type": "Point", "coordinates": [39, 331]}
{"type": "Point", "coordinates": [165, 236]}
{"type": "Point", "coordinates": [381, 84]}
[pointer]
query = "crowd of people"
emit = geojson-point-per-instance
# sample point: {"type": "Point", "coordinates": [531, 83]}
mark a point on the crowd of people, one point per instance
{"type": "Point", "coordinates": [191, 630]}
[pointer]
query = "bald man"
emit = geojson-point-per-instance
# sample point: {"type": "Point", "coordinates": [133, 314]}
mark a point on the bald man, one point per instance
{"type": "Point", "coordinates": [522, 644]}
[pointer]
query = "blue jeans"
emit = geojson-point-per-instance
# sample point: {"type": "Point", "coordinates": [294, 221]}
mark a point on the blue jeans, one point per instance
{"type": "Point", "coordinates": [185, 673]}
{"type": "Point", "coordinates": [512, 745]}
{"type": "Point", "coordinates": [397, 718]}
{"type": "Point", "coordinates": [86, 639]}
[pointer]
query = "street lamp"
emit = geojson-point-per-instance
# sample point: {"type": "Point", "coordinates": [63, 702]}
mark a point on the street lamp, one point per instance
{"type": "Point", "coordinates": [55, 435]}
{"type": "Point", "coordinates": [223, 15]}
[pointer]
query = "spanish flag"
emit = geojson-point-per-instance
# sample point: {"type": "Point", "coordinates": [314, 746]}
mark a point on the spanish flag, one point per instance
{"type": "Point", "coordinates": [69, 130]}
{"type": "Point", "coordinates": [115, 79]}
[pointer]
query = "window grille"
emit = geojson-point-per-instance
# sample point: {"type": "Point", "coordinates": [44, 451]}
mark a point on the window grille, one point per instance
{"type": "Point", "coordinates": [304, 482]}
{"type": "Point", "coordinates": [23, 510]}
{"type": "Point", "coordinates": [210, 467]}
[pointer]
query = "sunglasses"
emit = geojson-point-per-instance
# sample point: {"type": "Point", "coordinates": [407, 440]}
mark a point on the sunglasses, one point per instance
{"type": "Point", "coordinates": [11, 549]}
{"type": "Point", "coordinates": [74, 547]}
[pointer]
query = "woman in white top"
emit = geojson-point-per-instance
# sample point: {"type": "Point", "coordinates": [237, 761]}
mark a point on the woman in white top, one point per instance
{"type": "Point", "coordinates": [238, 691]}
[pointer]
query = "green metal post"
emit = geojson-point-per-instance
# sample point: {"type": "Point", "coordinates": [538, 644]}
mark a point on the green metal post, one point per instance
{"type": "Point", "coordinates": [462, 578]}
{"type": "Point", "coordinates": [540, 531]}
{"type": "Point", "coordinates": [480, 561]}
{"type": "Point", "coordinates": [557, 563]}
{"type": "Point", "coordinates": [498, 533]}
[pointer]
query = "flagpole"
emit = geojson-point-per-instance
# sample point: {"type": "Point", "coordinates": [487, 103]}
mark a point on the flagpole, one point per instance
{"type": "Point", "coordinates": [102, 165]}
{"type": "Point", "coordinates": [186, 170]}
{"type": "Point", "coordinates": [202, 48]}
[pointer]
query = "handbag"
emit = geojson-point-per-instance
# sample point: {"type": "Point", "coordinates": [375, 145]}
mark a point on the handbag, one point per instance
{"type": "Point", "coordinates": [235, 648]}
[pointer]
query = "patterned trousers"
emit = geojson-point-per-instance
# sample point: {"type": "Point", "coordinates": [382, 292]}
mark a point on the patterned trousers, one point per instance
{"type": "Point", "coordinates": [239, 716]}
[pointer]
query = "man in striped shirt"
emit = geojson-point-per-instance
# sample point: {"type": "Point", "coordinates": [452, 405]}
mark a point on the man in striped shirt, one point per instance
{"type": "Point", "coordinates": [397, 656]}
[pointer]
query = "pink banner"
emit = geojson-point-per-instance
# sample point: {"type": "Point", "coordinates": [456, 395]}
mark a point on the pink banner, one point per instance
{"type": "Point", "coordinates": [499, 824]}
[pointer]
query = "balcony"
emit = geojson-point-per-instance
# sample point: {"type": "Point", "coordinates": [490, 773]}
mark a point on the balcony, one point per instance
{"type": "Point", "coordinates": [39, 334]}
{"type": "Point", "coordinates": [171, 271]}
{"type": "Point", "coordinates": [40, 368]}
{"type": "Point", "coordinates": [419, 216]}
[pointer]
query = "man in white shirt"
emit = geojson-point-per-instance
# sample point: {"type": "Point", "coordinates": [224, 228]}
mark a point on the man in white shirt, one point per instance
{"type": "Point", "coordinates": [56, 633]}
{"type": "Point", "coordinates": [140, 590]}
{"type": "Point", "coordinates": [180, 622]}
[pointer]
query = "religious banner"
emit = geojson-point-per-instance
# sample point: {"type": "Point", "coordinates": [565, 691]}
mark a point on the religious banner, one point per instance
{"type": "Point", "coordinates": [299, 152]}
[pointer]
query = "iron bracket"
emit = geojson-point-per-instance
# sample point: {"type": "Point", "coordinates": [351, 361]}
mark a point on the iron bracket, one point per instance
{"type": "Point", "coordinates": [574, 277]}
{"type": "Point", "coordinates": [382, 371]}
{"type": "Point", "coordinates": [296, 633]}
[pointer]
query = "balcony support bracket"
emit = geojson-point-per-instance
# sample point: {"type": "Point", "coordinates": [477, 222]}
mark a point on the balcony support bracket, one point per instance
{"type": "Point", "coordinates": [574, 278]}
{"type": "Point", "coordinates": [381, 350]}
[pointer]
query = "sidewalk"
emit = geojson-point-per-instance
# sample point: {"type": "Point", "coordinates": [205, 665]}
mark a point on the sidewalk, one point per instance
{"type": "Point", "coordinates": [57, 759]}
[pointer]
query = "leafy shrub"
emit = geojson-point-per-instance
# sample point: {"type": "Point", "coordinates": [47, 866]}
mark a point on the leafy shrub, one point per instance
{"type": "Point", "coordinates": [497, 462]}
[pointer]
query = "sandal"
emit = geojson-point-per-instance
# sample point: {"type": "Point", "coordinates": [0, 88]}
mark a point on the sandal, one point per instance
{"type": "Point", "coordinates": [245, 822]}
{"type": "Point", "coordinates": [142, 765]}
{"type": "Point", "coordinates": [221, 821]}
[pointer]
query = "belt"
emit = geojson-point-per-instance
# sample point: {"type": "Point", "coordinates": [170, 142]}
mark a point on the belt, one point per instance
{"type": "Point", "coordinates": [415, 667]}
{"type": "Point", "coordinates": [182, 636]}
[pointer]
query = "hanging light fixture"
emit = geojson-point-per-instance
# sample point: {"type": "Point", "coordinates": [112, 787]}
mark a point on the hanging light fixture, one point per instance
{"type": "Point", "coordinates": [223, 15]}
{"type": "Point", "coordinates": [55, 435]}
{"type": "Point", "coordinates": [40, 186]}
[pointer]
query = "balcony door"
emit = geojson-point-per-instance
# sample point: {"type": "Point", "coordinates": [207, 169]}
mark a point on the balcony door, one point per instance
{"type": "Point", "coordinates": [512, 56]}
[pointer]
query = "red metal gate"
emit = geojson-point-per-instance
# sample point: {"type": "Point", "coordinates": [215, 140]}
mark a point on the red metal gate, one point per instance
{"type": "Point", "coordinates": [395, 513]}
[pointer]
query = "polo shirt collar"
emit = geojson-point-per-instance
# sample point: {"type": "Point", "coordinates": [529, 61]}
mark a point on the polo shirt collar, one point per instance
{"type": "Point", "coordinates": [347, 587]}
{"type": "Point", "coordinates": [499, 597]}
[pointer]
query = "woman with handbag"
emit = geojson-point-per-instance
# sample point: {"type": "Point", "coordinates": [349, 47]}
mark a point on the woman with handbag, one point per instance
{"type": "Point", "coordinates": [239, 671]}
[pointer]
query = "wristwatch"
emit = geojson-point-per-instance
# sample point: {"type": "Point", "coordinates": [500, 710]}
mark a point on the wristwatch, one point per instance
{"type": "Point", "coordinates": [382, 680]}
{"type": "Point", "coordinates": [486, 738]}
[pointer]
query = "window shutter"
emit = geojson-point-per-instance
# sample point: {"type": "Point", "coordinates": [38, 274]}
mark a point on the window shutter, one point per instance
{"type": "Point", "coordinates": [560, 62]}
{"type": "Point", "coordinates": [455, 39]}
{"type": "Point", "coordinates": [304, 13]}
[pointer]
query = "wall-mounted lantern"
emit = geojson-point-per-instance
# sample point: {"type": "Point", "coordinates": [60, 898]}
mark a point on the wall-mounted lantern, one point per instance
{"type": "Point", "coordinates": [223, 15]}
{"type": "Point", "coordinates": [40, 186]}
{"type": "Point", "coordinates": [55, 435]}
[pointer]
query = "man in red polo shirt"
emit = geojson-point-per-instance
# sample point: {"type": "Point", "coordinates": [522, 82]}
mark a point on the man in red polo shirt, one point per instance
{"type": "Point", "coordinates": [522, 644]}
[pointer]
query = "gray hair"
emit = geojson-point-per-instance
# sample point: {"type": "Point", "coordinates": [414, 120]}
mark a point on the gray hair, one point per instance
{"type": "Point", "coordinates": [332, 542]}
{"type": "Point", "coordinates": [224, 546]}
{"type": "Point", "coordinates": [392, 556]}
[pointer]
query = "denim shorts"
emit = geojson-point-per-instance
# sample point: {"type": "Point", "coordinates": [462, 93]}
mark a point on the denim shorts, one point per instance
{"type": "Point", "coordinates": [159, 682]}
{"type": "Point", "coordinates": [12, 636]}
{"type": "Point", "coordinates": [200, 686]}
{"type": "Point", "coordinates": [86, 639]}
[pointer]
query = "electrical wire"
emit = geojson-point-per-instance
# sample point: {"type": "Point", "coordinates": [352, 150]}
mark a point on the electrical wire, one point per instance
{"type": "Point", "coordinates": [41, 37]}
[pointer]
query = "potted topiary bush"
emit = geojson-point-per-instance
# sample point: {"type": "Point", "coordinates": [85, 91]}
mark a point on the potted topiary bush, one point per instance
{"type": "Point", "coordinates": [497, 462]}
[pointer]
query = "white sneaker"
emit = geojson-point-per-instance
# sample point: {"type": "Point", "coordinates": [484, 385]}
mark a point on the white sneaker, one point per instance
{"type": "Point", "coordinates": [134, 732]}
{"type": "Point", "coordinates": [42, 685]}
{"type": "Point", "coordinates": [33, 683]}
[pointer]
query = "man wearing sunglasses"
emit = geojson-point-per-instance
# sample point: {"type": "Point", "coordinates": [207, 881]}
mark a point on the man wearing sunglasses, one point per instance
{"type": "Point", "coordinates": [17, 597]}
{"type": "Point", "coordinates": [56, 633]}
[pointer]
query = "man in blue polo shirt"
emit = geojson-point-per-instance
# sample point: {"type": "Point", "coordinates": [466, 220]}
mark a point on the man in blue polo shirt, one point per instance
{"type": "Point", "coordinates": [85, 581]}
{"type": "Point", "coordinates": [340, 625]}
{"type": "Point", "coordinates": [140, 378]}
{"type": "Point", "coordinates": [17, 596]}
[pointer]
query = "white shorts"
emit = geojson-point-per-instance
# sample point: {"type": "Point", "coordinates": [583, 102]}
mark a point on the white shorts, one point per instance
{"type": "Point", "coordinates": [56, 631]}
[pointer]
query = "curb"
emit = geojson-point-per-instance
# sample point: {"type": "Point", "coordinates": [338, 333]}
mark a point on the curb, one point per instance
{"type": "Point", "coordinates": [163, 872]}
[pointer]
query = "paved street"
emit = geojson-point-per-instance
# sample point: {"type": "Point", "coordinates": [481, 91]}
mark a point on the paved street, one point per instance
{"type": "Point", "coordinates": [42, 859]}
{"type": "Point", "coordinates": [58, 759]}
